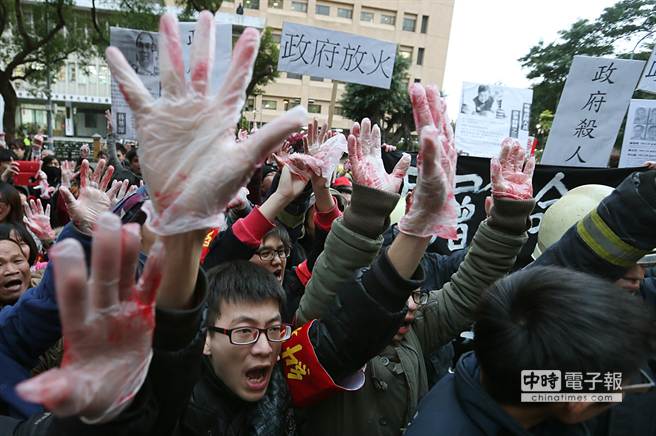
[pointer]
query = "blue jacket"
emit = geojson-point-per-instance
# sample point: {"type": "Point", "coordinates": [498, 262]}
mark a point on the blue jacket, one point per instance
{"type": "Point", "coordinates": [28, 329]}
{"type": "Point", "coordinates": [459, 406]}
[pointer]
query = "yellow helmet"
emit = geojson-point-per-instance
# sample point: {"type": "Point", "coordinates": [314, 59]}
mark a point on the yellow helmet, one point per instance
{"type": "Point", "coordinates": [566, 212]}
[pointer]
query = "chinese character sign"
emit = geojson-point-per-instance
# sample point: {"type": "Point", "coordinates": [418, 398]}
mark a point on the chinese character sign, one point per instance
{"type": "Point", "coordinates": [648, 78]}
{"type": "Point", "coordinates": [141, 51]}
{"type": "Point", "coordinates": [590, 111]}
{"type": "Point", "coordinates": [336, 55]}
{"type": "Point", "coordinates": [639, 144]}
{"type": "Point", "coordinates": [489, 114]}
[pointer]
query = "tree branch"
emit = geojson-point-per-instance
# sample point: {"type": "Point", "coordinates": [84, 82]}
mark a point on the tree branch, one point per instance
{"type": "Point", "coordinates": [20, 24]}
{"type": "Point", "coordinates": [31, 46]}
{"type": "Point", "coordinates": [94, 20]}
{"type": "Point", "coordinates": [3, 17]}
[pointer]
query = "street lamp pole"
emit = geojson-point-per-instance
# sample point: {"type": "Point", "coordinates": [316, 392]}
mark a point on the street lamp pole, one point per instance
{"type": "Point", "coordinates": [640, 41]}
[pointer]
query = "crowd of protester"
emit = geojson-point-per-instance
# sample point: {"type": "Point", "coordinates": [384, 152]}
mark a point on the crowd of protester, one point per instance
{"type": "Point", "coordinates": [214, 282]}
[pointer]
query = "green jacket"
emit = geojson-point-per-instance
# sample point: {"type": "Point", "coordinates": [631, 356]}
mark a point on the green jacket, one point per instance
{"type": "Point", "coordinates": [396, 379]}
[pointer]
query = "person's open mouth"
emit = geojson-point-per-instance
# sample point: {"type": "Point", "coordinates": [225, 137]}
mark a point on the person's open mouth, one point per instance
{"type": "Point", "coordinates": [257, 378]}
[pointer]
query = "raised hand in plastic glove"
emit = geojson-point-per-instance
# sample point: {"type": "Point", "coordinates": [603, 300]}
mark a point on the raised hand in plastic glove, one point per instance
{"type": "Point", "coordinates": [323, 149]}
{"type": "Point", "coordinates": [68, 173]}
{"type": "Point", "coordinates": [92, 200]}
{"type": "Point", "coordinates": [119, 191]}
{"type": "Point", "coordinates": [511, 173]}
{"type": "Point", "coordinates": [38, 220]}
{"type": "Point", "coordinates": [107, 325]}
{"type": "Point", "coordinates": [190, 159]}
{"type": "Point", "coordinates": [366, 160]}
{"type": "Point", "coordinates": [429, 109]}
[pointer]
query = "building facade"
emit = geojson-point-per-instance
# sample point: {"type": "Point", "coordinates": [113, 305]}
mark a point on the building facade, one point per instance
{"type": "Point", "coordinates": [419, 27]}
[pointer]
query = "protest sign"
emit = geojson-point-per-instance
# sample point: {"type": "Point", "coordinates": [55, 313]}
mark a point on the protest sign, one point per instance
{"type": "Point", "coordinates": [142, 53]}
{"type": "Point", "coordinates": [648, 78]}
{"type": "Point", "coordinates": [2, 112]}
{"type": "Point", "coordinates": [549, 184]}
{"type": "Point", "coordinates": [490, 113]}
{"type": "Point", "coordinates": [590, 111]}
{"type": "Point", "coordinates": [336, 55]}
{"type": "Point", "coordinates": [639, 144]}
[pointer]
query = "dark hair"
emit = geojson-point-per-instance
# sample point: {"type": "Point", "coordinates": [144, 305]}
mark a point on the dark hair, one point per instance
{"type": "Point", "coordinates": [5, 155]}
{"type": "Point", "coordinates": [281, 233]}
{"type": "Point", "coordinates": [557, 319]}
{"type": "Point", "coordinates": [482, 88]}
{"type": "Point", "coordinates": [9, 195]}
{"type": "Point", "coordinates": [241, 281]}
{"type": "Point", "coordinates": [131, 155]}
{"type": "Point", "coordinates": [23, 236]}
{"type": "Point", "coordinates": [48, 160]}
{"type": "Point", "coordinates": [121, 148]}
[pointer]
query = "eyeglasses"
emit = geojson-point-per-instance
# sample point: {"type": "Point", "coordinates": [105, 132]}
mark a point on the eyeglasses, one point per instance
{"type": "Point", "coordinates": [268, 255]}
{"type": "Point", "coordinates": [419, 297]}
{"type": "Point", "coordinates": [640, 388]}
{"type": "Point", "coordinates": [250, 335]}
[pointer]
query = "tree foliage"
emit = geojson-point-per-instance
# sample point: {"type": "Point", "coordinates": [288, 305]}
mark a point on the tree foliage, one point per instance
{"type": "Point", "coordinates": [37, 38]}
{"type": "Point", "coordinates": [618, 27]}
{"type": "Point", "coordinates": [389, 108]}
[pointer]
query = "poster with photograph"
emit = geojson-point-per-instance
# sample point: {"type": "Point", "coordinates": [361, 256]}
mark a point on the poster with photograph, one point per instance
{"type": "Point", "coordinates": [490, 113]}
{"type": "Point", "coordinates": [639, 144]}
{"type": "Point", "coordinates": [141, 51]}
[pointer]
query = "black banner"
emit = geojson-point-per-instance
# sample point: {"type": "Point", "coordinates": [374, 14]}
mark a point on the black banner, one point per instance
{"type": "Point", "coordinates": [549, 184]}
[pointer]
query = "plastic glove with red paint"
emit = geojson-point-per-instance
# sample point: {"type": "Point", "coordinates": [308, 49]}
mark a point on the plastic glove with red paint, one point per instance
{"type": "Point", "coordinates": [92, 200]}
{"type": "Point", "coordinates": [511, 173]}
{"type": "Point", "coordinates": [434, 207]}
{"type": "Point", "coordinates": [323, 149]}
{"type": "Point", "coordinates": [364, 149]}
{"type": "Point", "coordinates": [107, 325]}
{"type": "Point", "coordinates": [190, 158]}
{"type": "Point", "coordinates": [38, 220]}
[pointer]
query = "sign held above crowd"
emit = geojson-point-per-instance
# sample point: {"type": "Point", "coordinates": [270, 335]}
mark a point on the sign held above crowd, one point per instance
{"type": "Point", "coordinates": [141, 50]}
{"type": "Point", "coordinates": [591, 108]}
{"type": "Point", "coordinates": [336, 55]}
{"type": "Point", "coordinates": [490, 113]}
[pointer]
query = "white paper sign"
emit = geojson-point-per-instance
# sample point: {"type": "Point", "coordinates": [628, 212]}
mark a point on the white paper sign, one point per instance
{"type": "Point", "coordinates": [639, 144]}
{"type": "Point", "coordinates": [590, 111]}
{"type": "Point", "coordinates": [2, 113]}
{"type": "Point", "coordinates": [336, 55]}
{"type": "Point", "coordinates": [488, 114]}
{"type": "Point", "coordinates": [141, 50]}
{"type": "Point", "coordinates": [648, 78]}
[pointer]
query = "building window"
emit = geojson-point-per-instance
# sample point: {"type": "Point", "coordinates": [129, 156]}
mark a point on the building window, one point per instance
{"type": "Point", "coordinates": [250, 104]}
{"type": "Point", "coordinates": [269, 104]}
{"type": "Point", "coordinates": [103, 75]}
{"type": "Point", "coordinates": [367, 16]}
{"type": "Point", "coordinates": [288, 104]}
{"type": "Point", "coordinates": [294, 76]}
{"type": "Point", "coordinates": [90, 120]}
{"type": "Point", "coordinates": [338, 111]}
{"type": "Point", "coordinates": [275, 4]}
{"type": "Point", "coordinates": [316, 79]}
{"type": "Point", "coordinates": [61, 75]}
{"type": "Point", "coordinates": [252, 4]}
{"type": "Point", "coordinates": [406, 53]}
{"type": "Point", "coordinates": [323, 10]}
{"type": "Point", "coordinates": [410, 23]}
{"type": "Point", "coordinates": [424, 23]}
{"type": "Point", "coordinates": [276, 38]}
{"type": "Point", "coordinates": [314, 108]}
{"type": "Point", "coordinates": [299, 6]}
{"type": "Point", "coordinates": [71, 72]}
{"type": "Point", "coordinates": [345, 13]}
{"type": "Point", "coordinates": [420, 56]}
{"type": "Point", "coordinates": [389, 20]}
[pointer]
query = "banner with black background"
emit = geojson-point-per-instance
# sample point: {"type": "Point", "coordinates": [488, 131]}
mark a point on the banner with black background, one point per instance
{"type": "Point", "coordinates": [473, 186]}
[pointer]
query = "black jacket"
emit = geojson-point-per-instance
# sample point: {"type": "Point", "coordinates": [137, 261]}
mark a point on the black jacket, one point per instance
{"type": "Point", "coordinates": [177, 344]}
{"type": "Point", "coordinates": [458, 405]}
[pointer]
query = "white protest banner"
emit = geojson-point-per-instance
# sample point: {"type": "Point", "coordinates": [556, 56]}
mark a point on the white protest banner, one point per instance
{"type": "Point", "coordinates": [336, 55]}
{"type": "Point", "coordinates": [639, 144]}
{"type": "Point", "coordinates": [648, 78]}
{"type": "Point", "coordinates": [590, 111]}
{"type": "Point", "coordinates": [140, 48]}
{"type": "Point", "coordinates": [2, 112]}
{"type": "Point", "coordinates": [490, 113]}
